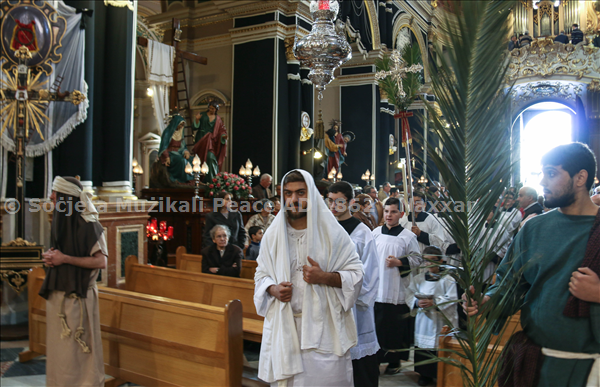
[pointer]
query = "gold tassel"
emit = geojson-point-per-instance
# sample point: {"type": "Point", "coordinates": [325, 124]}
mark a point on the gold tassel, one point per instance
{"type": "Point", "coordinates": [66, 332]}
{"type": "Point", "coordinates": [84, 346]}
{"type": "Point", "coordinates": [319, 127]}
{"type": "Point", "coordinates": [80, 330]}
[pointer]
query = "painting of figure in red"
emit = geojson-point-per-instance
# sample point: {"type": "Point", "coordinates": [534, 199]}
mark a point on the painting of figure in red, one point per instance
{"type": "Point", "coordinates": [24, 35]}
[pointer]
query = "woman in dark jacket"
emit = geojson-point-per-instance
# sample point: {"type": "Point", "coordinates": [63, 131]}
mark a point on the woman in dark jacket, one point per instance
{"type": "Point", "coordinates": [222, 215]}
{"type": "Point", "coordinates": [222, 258]}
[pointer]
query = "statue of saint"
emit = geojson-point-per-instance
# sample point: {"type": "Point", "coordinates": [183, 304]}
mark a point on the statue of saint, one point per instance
{"type": "Point", "coordinates": [336, 146]}
{"type": "Point", "coordinates": [210, 139]}
{"type": "Point", "coordinates": [173, 152]}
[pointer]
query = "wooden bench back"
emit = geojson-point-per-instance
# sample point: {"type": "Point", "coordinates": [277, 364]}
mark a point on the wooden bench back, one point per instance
{"type": "Point", "coordinates": [449, 376]}
{"type": "Point", "coordinates": [248, 269]}
{"type": "Point", "coordinates": [182, 285]}
{"type": "Point", "coordinates": [152, 341]}
{"type": "Point", "coordinates": [193, 263]}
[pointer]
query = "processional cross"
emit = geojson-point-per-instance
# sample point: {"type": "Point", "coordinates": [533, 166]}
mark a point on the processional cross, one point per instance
{"type": "Point", "coordinates": [23, 104]}
{"type": "Point", "coordinates": [397, 73]}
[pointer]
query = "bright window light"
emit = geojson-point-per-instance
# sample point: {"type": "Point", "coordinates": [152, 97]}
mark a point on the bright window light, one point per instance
{"type": "Point", "coordinates": [543, 132]}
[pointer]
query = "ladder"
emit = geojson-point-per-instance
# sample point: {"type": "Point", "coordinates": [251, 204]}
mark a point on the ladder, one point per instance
{"type": "Point", "coordinates": [56, 85]}
{"type": "Point", "coordinates": [55, 88]}
{"type": "Point", "coordinates": [183, 102]}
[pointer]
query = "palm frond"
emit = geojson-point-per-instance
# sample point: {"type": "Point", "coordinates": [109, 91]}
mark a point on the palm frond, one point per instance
{"type": "Point", "coordinates": [469, 84]}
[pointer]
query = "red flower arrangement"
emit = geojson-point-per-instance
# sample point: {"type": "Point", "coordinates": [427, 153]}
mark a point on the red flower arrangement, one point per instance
{"type": "Point", "coordinates": [228, 182]}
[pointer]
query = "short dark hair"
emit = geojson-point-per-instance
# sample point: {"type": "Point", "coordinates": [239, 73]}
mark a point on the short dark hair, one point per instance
{"type": "Point", "coordinates": [433, 250]}
{"type": "Point", "coordinates": [575, 25]}
{"type": "Point", "coordinates": [214, 104]}
{"type": "Point", "coordinates": [394, 202]}
{"type": "Point", "coordinates": [343, 187]}
{"type": "Point", "coordinates": [509, 193]}
{"type": "Point", "coordinates": [293, 177]}
{"type": "Point", "coordinates": [363, 198]}
{"type": "Point", "coordinates": [254, 230]}
{"type": "Point", "coordinates": [421, 195]}
{"type": "Point", "coordinates": [368, 188]}
{"type": "Point", "coordinates": [573, 158]}
{"type": "Point", "coordinates": [263, 203]}
{"type": "Point", "coordinates": [393, 190]}
{"type": "Point", "coordinates": [222, 194]}
{"type": "Point", "coordinates": [433, 189]}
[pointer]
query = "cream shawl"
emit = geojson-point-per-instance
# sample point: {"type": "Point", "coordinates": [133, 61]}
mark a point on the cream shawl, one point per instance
{"type": "Point", "coordinates": [326, 311]}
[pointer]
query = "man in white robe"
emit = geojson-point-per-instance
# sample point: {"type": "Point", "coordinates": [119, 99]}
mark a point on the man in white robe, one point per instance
{"type": "Point", "coordinates": [398, 253]}
{"type": "Point", "coordinates": [365, 365]}
{"type": "Point", "coordinates": [495, 237]}
{"type": "Point", "coordinates": [511, 215]}
{"type": "Point", "coordinates": [428, 229]}
{"type": "Point", "coordinates": [308, 278]}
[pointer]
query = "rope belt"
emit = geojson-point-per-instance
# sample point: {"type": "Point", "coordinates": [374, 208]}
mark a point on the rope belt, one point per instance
{"type": "Point", "coordinates": [66, 332]}
{"type": "Point", "coordinates": [594, 377]}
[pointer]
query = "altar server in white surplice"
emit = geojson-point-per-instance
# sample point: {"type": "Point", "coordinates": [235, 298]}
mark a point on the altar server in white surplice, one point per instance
{"type": "Point", "coordinates": [432, 292]}
{"type": "Point", "coordinates": [340, 198]}
{"type": "Point", "coordinates": [428, 229]}
{"type": "Point", "coordinates": [398, 254]}
{"type": "Point", "coordinates": [497, 239]}
{"type": "Point", "coordinates": [308, 278]}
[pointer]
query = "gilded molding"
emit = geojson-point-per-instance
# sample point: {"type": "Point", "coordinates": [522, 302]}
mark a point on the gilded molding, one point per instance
{"type": "Point", "coordinates": [544, 58]}
{"type": "Point", "coordinates": [19, 242]}
{"type": "Point", "coordinates": [372, 14]}
{"type": "Point", "coordinates": [15, 279]}
{"type": "Point", "coordinates": [544, 89]}
{"type": "Point", "coordinates": [594, 86]}
{"type": "Point", "coordinates": [289, 48]}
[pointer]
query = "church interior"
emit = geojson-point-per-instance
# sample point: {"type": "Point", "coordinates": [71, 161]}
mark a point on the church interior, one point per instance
{"type": "Point", "coordinates": [137, 71]}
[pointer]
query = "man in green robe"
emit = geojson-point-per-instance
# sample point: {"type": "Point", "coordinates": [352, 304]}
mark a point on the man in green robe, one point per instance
{"type": "Point", "coordinates": [550, 250]}
{"type": "Point", "coordinates": [210, 139]}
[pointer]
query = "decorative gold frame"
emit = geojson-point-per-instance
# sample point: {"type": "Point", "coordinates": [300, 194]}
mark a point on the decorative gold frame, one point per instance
{"type": "Point", "coordinates": [57, 25]}
{"type": "Point", "coordinates": [16, 258]}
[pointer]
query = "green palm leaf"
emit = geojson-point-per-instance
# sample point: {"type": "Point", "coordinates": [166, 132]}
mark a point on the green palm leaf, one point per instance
{"type": "Point", "coordinates": [468, 81]}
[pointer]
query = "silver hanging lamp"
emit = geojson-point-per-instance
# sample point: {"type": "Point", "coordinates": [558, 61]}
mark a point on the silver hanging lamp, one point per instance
{"type": "Point", "coordinates": [323, 49]}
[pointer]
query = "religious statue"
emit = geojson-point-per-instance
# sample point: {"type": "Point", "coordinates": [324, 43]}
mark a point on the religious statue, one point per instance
{"type": "Point", "coordinates": [210, 139]}
{"type": "Point", "coordinates": [173, 152]}
{"type": "Point", "coordinates": [336, 146]}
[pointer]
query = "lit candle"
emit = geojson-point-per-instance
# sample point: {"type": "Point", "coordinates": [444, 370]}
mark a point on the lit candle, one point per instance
{"type": "Point", "coordinates": [154, 225]}
{"type": "Point", "coordinates": [170, 232]}
{"type": "Point", "coordinates": [163, 226]}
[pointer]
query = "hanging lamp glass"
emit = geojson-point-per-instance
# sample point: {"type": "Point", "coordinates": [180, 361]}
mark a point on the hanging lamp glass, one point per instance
{"type": "Point", "coordinates": [323, 49]}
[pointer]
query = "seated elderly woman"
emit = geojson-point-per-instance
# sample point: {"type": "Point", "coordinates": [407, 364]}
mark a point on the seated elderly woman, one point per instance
{"type": "Point", "coordinates": [222, 257]}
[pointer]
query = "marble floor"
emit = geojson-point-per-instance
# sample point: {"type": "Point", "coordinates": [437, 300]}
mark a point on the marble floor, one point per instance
{"type": "Point", "coordinates": [32, 374]}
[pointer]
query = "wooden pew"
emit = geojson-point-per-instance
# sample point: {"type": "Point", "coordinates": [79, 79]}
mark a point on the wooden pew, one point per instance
{"type": "Point", "coordinates": [449, 376]}
{"type": "Point", "coordinates": [193, 263]}
{"type": "Point", "coordinates": [202, 288]}
{"type": "Point", "coordinates": [248, 269]}
{"type": "Point", "coordinates": [156, 341]}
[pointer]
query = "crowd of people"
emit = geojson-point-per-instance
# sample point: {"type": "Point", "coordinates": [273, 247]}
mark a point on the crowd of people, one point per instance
{"type": "Point", "coordinates": [339, 274]}
{"type": "Point", "coordinates": [577, 36]}
{"type": "Point", "coordinates": [308, 279]}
